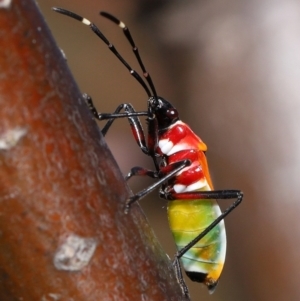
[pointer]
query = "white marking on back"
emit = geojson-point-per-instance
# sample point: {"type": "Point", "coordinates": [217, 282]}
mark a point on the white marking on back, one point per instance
{"type": "Point", "coordinates": [196, 186]}
{"type": "Point", "coordinates": [177, 148]}
{"type": "Point", "coordinates": [178, 188]}
{"type": "Point", "coordinates": [165, 146]}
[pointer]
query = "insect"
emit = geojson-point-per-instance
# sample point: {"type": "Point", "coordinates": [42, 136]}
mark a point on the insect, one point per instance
{"type": "Point", "coordinates": [181, 170]}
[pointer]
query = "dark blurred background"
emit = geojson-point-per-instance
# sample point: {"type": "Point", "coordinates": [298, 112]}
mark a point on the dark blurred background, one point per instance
{"type": "Point", "coordinates": [232, 68]}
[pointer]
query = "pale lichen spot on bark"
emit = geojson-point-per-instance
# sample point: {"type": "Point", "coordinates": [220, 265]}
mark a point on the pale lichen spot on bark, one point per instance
{"type": "Point", "coordinates": [74, 253]}
{"type": "Point", "coordinates": [5, 3]}
{"type": "Point", "coordinates": [10, 138]}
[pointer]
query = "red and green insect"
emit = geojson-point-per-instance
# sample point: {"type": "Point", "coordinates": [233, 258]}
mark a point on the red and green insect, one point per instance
{"type": "Point", "coordinates": [195, 218]}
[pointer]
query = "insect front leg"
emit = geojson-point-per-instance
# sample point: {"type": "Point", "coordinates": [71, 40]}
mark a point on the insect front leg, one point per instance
{"type": "Point", "coordinates": [129, 113]}
{"type": "Point", "coordinates": [136, 128]}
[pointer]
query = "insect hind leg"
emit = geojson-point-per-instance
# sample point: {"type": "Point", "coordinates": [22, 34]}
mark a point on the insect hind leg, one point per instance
{"type": "Point", "coordinates": [179, 277]}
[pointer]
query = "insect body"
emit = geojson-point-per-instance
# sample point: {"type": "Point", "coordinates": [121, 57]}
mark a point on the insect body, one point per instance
{"type": "Point", "coordinates": [188, 217]}
{"type": "Point", "coordinates": [195, 218]}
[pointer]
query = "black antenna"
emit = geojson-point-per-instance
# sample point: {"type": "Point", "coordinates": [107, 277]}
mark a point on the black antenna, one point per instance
{"type": "Point", "coordinates": [135, 50]}
{"type": "Point", "coordinates": [111, 47]}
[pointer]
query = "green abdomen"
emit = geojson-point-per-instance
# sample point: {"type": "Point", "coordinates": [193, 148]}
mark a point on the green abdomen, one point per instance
{"type": "Point", "coordinates": [187, 219]}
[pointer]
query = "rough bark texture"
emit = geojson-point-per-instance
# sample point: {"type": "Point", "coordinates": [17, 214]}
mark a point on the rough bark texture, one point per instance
{"type": "Point", "coordinates": [64, 235]}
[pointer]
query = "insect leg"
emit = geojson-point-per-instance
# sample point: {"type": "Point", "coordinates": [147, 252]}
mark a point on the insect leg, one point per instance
{"type": "Point", "coordinates": [216, 195]}
{"type": "Point", "coordinates": [129, 113]}
{"type": "Point", "coordinates": [179, 277]}
{"type": "Point", "coordinates": [141, 171]}
{"type": "Point", "coordinates": [174, 169]}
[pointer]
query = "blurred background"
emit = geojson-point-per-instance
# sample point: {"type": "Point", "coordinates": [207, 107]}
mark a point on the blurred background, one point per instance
{"type": "Point", "coordinates": [232, 68]}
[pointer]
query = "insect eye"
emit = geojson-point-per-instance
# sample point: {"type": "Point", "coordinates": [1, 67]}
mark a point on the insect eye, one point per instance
{"type": "Point", "coordinates": [171, 114]}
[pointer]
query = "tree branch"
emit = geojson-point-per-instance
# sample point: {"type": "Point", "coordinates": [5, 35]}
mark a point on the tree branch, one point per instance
{"type": "Point", "coordinates": [63, 231]}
